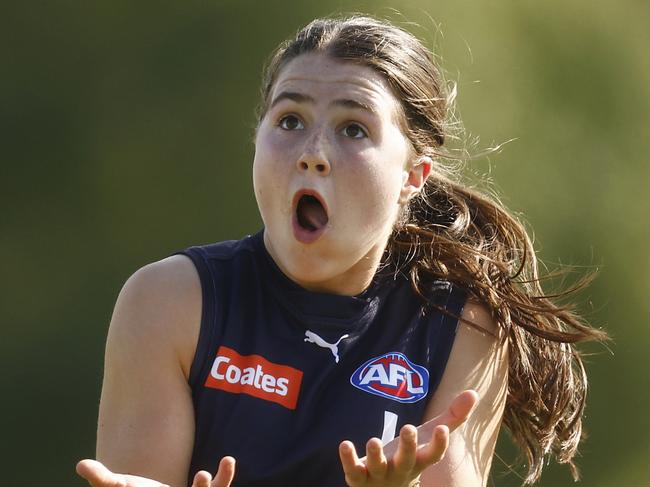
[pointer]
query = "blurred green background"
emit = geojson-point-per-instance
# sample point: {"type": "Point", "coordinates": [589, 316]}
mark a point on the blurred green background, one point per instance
{"type": "Point", "coordinates": [126, 134]}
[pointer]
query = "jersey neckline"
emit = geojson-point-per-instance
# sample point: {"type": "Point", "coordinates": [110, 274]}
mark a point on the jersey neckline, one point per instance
{"type": "Point", "coordinates": [320, 309]}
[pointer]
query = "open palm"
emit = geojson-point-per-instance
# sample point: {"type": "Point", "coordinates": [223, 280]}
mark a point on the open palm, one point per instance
{"type": "Point", "coordinates": [401, 461]}
{"type": "Point", "coordinates": [98, 475]}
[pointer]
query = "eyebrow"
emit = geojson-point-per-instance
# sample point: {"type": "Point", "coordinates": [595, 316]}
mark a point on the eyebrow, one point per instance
{"type": "Point", "coordinates": [342, 102]}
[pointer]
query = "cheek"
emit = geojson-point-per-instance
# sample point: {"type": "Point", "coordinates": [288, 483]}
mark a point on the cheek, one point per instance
{"type": "Point", "coordinates": [376, 195]}
{"type": "Point", "coordinates": [267, 164]}
{"type": "Point", "coordinates": [263, 183]}
{"type": "Point", "coordinates": [273, 157]}
{"type": "Point", "coordinates": [383, 177]}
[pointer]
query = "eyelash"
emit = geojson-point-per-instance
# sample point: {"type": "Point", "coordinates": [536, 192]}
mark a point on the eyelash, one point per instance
{"type": "Point", "coordinates": [360, 127]}
{"type": "Point", "coordinates": [282, 120]}
{"type": "Point", "coordinates": [287, 117]}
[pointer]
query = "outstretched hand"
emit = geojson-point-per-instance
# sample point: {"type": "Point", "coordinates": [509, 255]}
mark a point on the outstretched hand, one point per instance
{"type": "Point", "coordinates": [98, 475]}
{"type": "Point", "coordinates": [400, 462]}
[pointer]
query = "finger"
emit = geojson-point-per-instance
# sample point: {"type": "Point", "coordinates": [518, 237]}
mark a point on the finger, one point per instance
{"type": "Point", "coordinates": [433, 451]}
{"type": "Point", "coordinates": [404, 459]}
{"type": "Point", "coordinates": [98, 475]}
{"type": "Point", "coordinates": [225, 473]}
{"type": "Point", "coordinates": [459, 409]}
{"type": "Point", "coordinates": [376, 463]}
{"type": "Point", "coordinates": [354, 469]}
{"type": "Point", "coordinates": [202, 479]}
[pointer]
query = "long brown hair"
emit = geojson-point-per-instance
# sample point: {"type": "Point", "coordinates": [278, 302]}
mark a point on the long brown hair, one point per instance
{"type": "Point", "coordinates": [459, 234]}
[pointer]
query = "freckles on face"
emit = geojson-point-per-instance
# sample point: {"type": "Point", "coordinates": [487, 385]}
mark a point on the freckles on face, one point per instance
{"type": "Point", "coordinates": [332, 127]}
{"type": "Point", "coordinates": [272, 173]}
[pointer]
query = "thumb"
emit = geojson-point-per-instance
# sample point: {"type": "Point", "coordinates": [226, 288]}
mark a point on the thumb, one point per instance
{"type": "Point", "coordinates": [460, 409]}
{"type": "Point", "coordinates": [96, 473]}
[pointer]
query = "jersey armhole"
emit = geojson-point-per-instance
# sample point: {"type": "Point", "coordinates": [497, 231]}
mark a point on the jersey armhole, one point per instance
{"type": "Point", "coordinates": [208, 313]}
{"type": "Point", "coordinates": [453, 304]}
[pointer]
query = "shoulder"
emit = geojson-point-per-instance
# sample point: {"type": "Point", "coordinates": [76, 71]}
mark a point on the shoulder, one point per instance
{"type": "Point", "coordinates": [175, 275]}
{"type": "Point", "coordinates": [159, 310]}
{"type": "Point", "coordinates": [478, 317]}
{"type": "Point", "coordinates": [478, 357]}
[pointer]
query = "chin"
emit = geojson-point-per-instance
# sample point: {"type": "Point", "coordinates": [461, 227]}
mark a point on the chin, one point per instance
{"type": "Point", "coordinates": [326, 260]}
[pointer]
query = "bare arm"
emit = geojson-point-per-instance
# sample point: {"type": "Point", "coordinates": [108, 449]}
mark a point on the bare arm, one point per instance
{"type": "Point", "coordinates": [477, 362]}
{"type": "Point", "coordinates": [146, 419]}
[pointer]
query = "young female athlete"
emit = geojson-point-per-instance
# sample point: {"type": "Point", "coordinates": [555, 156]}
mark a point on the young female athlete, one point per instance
{"type": "Point", "coordinates": [295, 351]}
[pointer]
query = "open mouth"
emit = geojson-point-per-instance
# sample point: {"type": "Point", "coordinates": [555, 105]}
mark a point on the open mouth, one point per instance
{"type": "Point", "coordinates": [311, 214]}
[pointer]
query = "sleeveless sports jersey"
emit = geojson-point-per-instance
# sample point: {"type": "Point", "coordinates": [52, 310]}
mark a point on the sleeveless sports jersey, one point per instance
{"type": "Point", "coordinates": [282, 375]}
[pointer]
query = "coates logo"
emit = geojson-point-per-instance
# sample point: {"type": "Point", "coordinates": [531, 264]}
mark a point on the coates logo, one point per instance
{"type": "Point", "coordinates": [393, 376]}
{"type": "Point", "coordinates": [255, 376]}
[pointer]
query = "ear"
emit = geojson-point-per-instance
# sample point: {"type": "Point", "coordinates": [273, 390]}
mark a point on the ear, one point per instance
{"type": "Point", "coordinates": [415, 177]}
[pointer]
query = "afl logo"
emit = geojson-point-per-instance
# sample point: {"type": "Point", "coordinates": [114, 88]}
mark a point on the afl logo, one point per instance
{"type": "Point", "coordinates": [392, 376]}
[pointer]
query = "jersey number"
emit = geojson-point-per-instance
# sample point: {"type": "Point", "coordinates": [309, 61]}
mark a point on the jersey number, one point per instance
{"type": "Point", "coordinates": [390, 425]}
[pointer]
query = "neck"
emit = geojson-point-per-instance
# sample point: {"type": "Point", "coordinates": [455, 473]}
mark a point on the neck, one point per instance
{"type": "Point", "coordinates": [351, 282]}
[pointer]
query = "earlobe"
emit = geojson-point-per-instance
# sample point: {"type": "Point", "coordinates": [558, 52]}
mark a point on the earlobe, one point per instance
{"type": "Point", "coordinates": [415, 178]}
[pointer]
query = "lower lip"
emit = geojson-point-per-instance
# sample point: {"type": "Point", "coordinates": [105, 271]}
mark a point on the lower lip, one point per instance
{"type": "Point", "coordinates": [305, 236]}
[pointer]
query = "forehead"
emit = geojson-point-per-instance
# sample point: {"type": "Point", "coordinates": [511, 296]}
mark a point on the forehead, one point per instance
{"type": "Point", "coordinates": [324, 78]}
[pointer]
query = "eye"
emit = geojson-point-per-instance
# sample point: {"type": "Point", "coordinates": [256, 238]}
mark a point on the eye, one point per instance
{"type": "Point", "coordinates": [291, 122]}
{"type": "Point", "coordinates": [354, 131]}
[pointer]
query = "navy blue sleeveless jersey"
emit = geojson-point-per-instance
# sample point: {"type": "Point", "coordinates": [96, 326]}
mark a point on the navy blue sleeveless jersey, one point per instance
{"type": "Point", "coordinates": [282, 375]}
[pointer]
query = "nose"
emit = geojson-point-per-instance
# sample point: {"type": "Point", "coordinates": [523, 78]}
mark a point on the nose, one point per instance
{"type": "Point", "coordinates": [314, 157]}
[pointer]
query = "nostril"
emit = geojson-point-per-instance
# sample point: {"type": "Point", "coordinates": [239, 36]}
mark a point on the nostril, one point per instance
{"type": "Point", "coordinates": [320, 167]}
{"type": "Point", "coordinates": [304, 166]}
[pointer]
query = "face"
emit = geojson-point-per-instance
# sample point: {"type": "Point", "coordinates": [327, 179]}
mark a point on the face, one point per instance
{"type": "Point", "coordinates": [331, 171]}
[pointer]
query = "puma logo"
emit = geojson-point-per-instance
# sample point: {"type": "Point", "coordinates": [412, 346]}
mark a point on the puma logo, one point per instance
{"type": "Point", "coordinates": [311, 337]}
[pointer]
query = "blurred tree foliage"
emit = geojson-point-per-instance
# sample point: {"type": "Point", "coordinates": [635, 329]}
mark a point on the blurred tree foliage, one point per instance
{"type": "Point", "coordinates": [126, 133]}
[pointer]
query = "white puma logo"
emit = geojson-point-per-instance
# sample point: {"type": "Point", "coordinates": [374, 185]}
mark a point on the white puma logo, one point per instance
{"type": "Point", "coordinates": [334, 347]}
